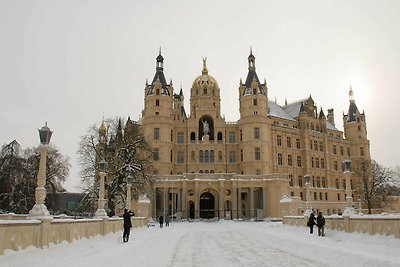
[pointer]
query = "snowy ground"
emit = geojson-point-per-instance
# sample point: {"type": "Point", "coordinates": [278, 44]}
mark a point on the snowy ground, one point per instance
{"type": "Point", "coordinates": [224, 243]}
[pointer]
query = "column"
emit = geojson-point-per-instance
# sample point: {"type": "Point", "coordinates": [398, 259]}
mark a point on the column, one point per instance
{"type": "Point", "coordinates": [234, 201]}
{"type": "Point", "coordinates": [221, 198]}
{"type": "Point", "coordinates": [265, 201]}
{"type": "Point", "coordinates": [155, 203]}
{"type": "Point", "coordinates": [196, 200]}
{"type": "Point", "coordinates": [164, 202]}
{"type": "Point", "coordinates": [239, 205]}
{"type": "Point", "coordinates": [251, 202]}
{"type": "Point", "coordinates": [184, 192]}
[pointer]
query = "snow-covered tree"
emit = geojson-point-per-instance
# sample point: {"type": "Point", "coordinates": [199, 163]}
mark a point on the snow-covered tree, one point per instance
{"type": "Point", "coordinates": [18, 175]}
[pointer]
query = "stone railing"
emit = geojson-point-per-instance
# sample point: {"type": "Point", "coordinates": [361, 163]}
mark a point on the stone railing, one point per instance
{"type": "Point", "coordinates": [19, 234]}
{"type": "Point", "coordinates": [371, 224]}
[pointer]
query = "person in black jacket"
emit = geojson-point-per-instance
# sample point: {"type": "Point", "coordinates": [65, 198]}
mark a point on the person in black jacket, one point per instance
{"type": "Point", "coordinates": [320, 224]}
{"type": "Point", "coordinates": [161, 221]}
{"type": "Point", "coordinates": [311, 222]}
{"type": "Point", "coordinates": [127, 224]}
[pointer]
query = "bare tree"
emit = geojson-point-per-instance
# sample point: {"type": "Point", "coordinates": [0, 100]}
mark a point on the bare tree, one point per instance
{"type": "Point", "coordinates": [126, 153]}
{"type": "Point", "coordinates": [18, 175]}
{"type": "Point", "coordinates": [375, 182]}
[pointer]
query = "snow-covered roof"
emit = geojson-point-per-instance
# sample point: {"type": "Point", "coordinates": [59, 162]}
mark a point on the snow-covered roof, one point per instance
{"type": "Point", "coordinates": [277, 111]}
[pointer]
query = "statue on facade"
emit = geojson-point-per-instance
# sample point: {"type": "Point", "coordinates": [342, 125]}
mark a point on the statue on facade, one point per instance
{"type": "Point", "coordinates": [206, 128]}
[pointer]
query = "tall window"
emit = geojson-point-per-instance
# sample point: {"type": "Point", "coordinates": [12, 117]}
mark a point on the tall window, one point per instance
{"type": "Point", "coordinates": [300, 180]}
{"type": "Point", "coordinates": [361, 152]}
{"type": "Point", "coordinates": [257, 154]}
{"type": "Point", "coordinates": [206, 156]}
{"type": "Point", "coordinates": [232, 157]}
{"type": "Point", "coordinates": [310, 144]}
{"type": "Point", "coordinates": [298, 161]}
{"type": "Point", "coordinates": [341, 151]}
{"type": "Point", "coordinates": [316, 162]}
{"type": "Point", "coordinates": [316, 145]}
{"type": "Point", "coordinates": [322, 163]}
{"type": "Point", "coordinates": [181, 138]}
{"type": "Point", "coordinates": [323, 182]}
{"type": "Point", "coordinates": [156, 154]}
{"type": "Point", "coordinates": [318, 181]}
{"type": "Point", "coordinates": [219, 155]}
{"type": "Point", "coordinates": [212, 156]}
{"type": "Point", "coordinates": [180, 157]}
{"type": "Point", "coordinates": [335, 165]}
{"type": "Point", "coordinates": [334, 150]}
{"type": "Point", "coordinates": [192, 155]}
{"type": "Point", "coordinates": [337, 183]}
{"type": "Point", "coordinates": [348, 151]}
{"type": "Point", "coordinates": [232, 137]}
{"type": "Point", "coordinates": [256, 133]}
{"type": "Point", "coordinates": [298, 143]}
{"type": "Point", "coordinates": [280, 159]}
{"type": "Point", "coordinates": [290, 180]}
{"type": "Point", "coordinates": [241, 155]}
{"type": "Point", "coordinates": [321, 146]}
{"type": "Point", "coordinates": [289, 160]}
{"type": "Point", "coordinates": [201, 156]}
{"type": "Point", "coordinates": [279, 140]}
{"type": "Point", "coordinates": [289, 141]}
{"type": "Point", "coordinates": [156, 133]}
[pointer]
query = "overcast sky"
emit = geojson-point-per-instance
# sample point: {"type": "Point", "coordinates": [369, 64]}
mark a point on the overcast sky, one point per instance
{"type": "Point", "coordinates": [68, 62]}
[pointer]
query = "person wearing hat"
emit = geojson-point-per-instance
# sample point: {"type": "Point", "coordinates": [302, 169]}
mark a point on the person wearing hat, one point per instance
{"type": "Point", "coordinates": [127, 224]}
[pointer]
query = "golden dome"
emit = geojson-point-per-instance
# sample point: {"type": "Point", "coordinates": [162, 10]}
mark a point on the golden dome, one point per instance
{"type": "Point", "coordinates": [204, 79]}
{"type": "Point", "coordinates": [102, 128]}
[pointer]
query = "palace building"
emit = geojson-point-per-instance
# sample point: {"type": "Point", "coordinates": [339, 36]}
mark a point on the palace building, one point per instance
{"type": "Point", "coordinates": [206, 167]}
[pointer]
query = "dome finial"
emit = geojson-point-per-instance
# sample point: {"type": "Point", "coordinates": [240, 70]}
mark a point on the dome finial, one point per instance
{"type": "Point", "coordinates": [205, 70]}
{"type": "Point", "coordinates": [351, 94]}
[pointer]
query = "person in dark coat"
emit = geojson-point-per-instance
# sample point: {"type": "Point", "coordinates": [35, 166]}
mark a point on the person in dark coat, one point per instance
{"type": "Point", "coordinates": [127, 224]}
{"type": "Point", "coordinates": [167, 221]}
{"type": "Point", "coordinates": [320, 224]}
{"type": "Point", "coordinates": [311, 222]}
{"type": "Point", "coordinates": [161, 221]}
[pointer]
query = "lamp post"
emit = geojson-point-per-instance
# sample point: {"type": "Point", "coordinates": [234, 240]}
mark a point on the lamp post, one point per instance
{"type": "Point", "coordinates": [40, 209]}
{"type": "Point", "coordinates": [128, 191]}
{"type": "Point", "coordinates": [100, 212]}
{"type": "Point", "coordinates": [308, 210]}
{"type": "Point", "coordinates": [349, 210]}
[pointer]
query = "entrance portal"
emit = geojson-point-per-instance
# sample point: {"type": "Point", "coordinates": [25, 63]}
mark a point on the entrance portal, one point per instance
{"type": "Point", "coordinates": [191, 210]}
{"type": "Point", "coordinates": [207, 205]}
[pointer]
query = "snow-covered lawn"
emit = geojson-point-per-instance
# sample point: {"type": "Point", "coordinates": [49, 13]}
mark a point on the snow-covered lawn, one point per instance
{"type": "Point", "coordinates": [223, 243]}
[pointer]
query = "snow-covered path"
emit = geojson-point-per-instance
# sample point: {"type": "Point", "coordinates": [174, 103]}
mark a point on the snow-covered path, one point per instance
{"type": "Point", "coordinates": [224, 243]}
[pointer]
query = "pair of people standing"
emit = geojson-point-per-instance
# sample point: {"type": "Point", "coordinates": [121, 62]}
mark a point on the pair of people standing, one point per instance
{"type": "Point", "coordinates": [161, 221]}
{"type": "Point", "coordinates": [319, 221]}
{"type": "Point", "coordinates": [127, 224]}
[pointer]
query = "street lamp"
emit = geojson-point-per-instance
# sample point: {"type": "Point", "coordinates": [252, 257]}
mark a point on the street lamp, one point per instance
{"type": "Point", "coordinates": [349, 210]}
{"type": "Point", "coordinates": [128, 191]}
{"type": "Point", "coordinates": [100, 212]}
{"type": "Point", "coordinates": [308, 210]}
{"type": "Point", "coordinates": [40, 209]}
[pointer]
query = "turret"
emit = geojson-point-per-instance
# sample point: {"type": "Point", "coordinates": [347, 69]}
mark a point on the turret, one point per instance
{"type": "Point", "coordinates": [331, 117]}
{"type": "Point", "coordinates": [252, 94]}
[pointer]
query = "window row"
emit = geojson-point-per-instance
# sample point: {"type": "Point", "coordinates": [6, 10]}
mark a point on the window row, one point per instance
{"type": "Point", "coordinates": [289, 160]}
{"type": "Point", "coordinates": [288, 141]}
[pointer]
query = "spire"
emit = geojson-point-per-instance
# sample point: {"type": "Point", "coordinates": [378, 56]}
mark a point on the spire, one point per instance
{"type": "Point", "coordinates": [181, 92]}
{"type": "Point", "coordinates": [252, 60]}
{"type": "Point", "coordinates": [160, 61]}
{"type": "Point", "coordinates": [159, 76]}
{"type": "Point", "coordinates": [285, 101]}
{"type": "Point", "coordinates": [321, 114]}
{"type": "Point", "coordinates": [351, 95]}
{"type": "Point", "coordinates": [205, 70]}
{"type": "Point", "coordinates": [102, 128]}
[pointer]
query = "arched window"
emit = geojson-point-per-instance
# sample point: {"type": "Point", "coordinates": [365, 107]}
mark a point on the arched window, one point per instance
{"type": "Point", "coordinates": [201, 156]}
{"type": "Point", "coordinates": [206, 156]}
{"type": "Point", "coordinates": [192, 137]}
{"type": "Point", "coordinates": [192, 156]}
{"type": "Point", "coordinates": [219, 155]}
{"type": "Point", "coordinates": [212, 156]}
{"type": "Point", "coordinates": [219, 137]}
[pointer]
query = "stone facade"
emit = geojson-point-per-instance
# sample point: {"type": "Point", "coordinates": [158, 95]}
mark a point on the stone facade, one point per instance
{"type": "Point", "coordinates": [206, 167]}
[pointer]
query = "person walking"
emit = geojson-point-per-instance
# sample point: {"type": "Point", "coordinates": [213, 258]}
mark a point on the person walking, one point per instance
{"type": "Point", "coordinates": [167, 221]}
{"type": "Point", "coordinates": [311, 222]}
{"type": "Point", "coordinates": [320, 224]}
{"type": "Point", "coordinates": [161, 221]}
{"type": "Point", "coordinates": [127, 224]}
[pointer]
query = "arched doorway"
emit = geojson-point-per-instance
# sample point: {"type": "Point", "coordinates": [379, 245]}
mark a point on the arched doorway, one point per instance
{"type": "Point", "coordinates": [191, 209]}
{"type": "Point", "coordinates": [207, 205]}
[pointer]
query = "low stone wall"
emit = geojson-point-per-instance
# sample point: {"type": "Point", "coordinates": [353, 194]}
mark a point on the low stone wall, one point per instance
{"type": "Point", "coordinates": [20, 234]}
{"type": "Point", "coordinates": [371, 224]}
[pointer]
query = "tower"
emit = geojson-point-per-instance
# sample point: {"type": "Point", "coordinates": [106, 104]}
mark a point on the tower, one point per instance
{"type": "Point", "coordinates": [355, 129]}
{"type": "Point", "coordinates": [158, 127]}
{"type": "Point", "coordinates": [254, 124]}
